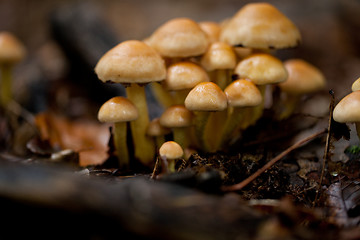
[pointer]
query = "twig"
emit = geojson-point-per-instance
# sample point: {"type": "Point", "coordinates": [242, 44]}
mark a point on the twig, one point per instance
{"type": "Point", "coordinates": [248, 180]}
{"type": "Point", "coordinates": [327, 146]}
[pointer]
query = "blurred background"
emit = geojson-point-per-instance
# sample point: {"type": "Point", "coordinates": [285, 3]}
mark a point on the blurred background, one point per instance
{"type": "Point", "coordinates": [64, 40]}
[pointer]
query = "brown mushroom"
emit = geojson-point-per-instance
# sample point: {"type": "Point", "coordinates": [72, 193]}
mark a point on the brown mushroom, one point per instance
{"type": "Point", "coordinates": [169, 152]}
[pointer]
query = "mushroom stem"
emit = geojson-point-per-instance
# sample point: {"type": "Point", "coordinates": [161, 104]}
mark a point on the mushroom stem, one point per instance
{"type": "Point", "coordinates": [216, 121]}
{"type": "Point", "coordinates": [181, 136]}
{"type": "Point", "coordinates": [162, 95]}
{"type": "Point", "coordinates": [6, 84]}
{"type": "Point", "coordinates": [143, 145]}
{"type": "Point", "coordinates": [222, 77]}
{"type": "Point", "coordinates": [120, 143]}
{"type": "Point", "coordinates": [180, 95]}
{"type": "Point", "coordinates": [232, 123]}
{"type": "Point", "coordinates": [288, 105]}
{"type": "Point", "coordinates": [201, 119]}
{"type": "Point", "coordinates": [254, 113]}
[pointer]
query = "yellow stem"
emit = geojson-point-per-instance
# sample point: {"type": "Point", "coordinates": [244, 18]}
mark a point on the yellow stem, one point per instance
{"type": "Point", "coordinates": [144, 146]}
{"type": "Point", "coordinates": [180, 95]}
{"type": "Point", "coordinates": [255, 113]}
{"type": "Point", "coordinates": [231, 125]}
{"type": "Point", "coordinates": [214, 129]}
{"type": "Point", "coordinates": [181, 137]}
{"type": "Point", "coordinates": [6, 84]}
{"type": "Point", "coordinates": [288, 106]}
{"type": "Point", "coordinates": [120, 143]}
{"type": "Point", "coordinates": [201, 119]}
{"type": "Point", "coordinates": [222, 77]}
{"type": "Point", "coordinates": [162, 95]}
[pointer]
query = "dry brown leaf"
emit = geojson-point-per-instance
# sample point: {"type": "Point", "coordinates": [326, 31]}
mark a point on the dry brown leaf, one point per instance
{"type": "Point", "coordinates": [89, 138]}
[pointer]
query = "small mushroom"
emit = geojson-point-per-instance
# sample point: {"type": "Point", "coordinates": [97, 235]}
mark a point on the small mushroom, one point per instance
{"type": "Point", "coordinates": [12, 51]}
{"type": "Point", "coordinates": [204, 98]}
{"type": "Point", "coordinates": [356, 85]}
{"type": "Point", "coordinates": [212, 30]}
{"type": "Point", "coordinates": [260, 26]}
{"type": "Point", "coordinates": [241, 95]}
{"type": "Point", "coordinates": [219, 60]}
{"type": "Point", "coordinates": [348, 110]}
{"type": "Point", "coordinates": [179, 119]}
{"type": "Point", "coordinates": [134, 64]}
{"type": "Point", "coordinates": [181, 77]}
{"type": "Point", "coordinates": [119, 110]}
{"type": "Point", "coordinates": [169, 152]}
{"type": "Point", "coordinates": [303, 78]}
{"type": "Point", "coordinates": [157, 131]}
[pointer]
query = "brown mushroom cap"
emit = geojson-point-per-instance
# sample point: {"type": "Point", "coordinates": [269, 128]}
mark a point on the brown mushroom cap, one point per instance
{"type": "Point", "coordinates": [303, 78]}
{"type": "Point", "coordinates": [243, 93]}
{"type": "Point", "coordinates": [212, 30]}
{"type": "Point", "coordinates": [179, 37]}
{"type": "Point", "coordinates": [219, 56]}
{"type": "Point", "coordinates": [118, 109]}
{"type": "Point", "coordinates": [11, 49]}
{"type": "Point", "coordinates": [176, 116]}
{"type": "Point", "coordinates": [184, 75]}
{"type": "Point", "coordinates": [261, 26]}
{"type": "Point", "coordinates": [356, 85]}
{"type": "Point", "coordinates": [171, 150]}
{"type": "Point", "coordinates": [206, 96]}
{"type": "Point", "coordinates": [131, 61]}
{"type": "Point", "coordinates": [347, 110]}
{"type": "Point", "coordinates": [261, 68]}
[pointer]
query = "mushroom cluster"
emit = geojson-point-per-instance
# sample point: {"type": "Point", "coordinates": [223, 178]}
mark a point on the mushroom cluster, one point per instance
{"type": "Point", "coordinates": [211, 78]}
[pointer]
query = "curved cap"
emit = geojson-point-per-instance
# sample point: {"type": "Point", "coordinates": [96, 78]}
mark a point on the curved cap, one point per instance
{"type": "Point", "coordinates": [131, 61]}
{"type": "Point", "coordinates": [176, 116]}
{"type": "Point", "coordinates": [243, 93]}
{"type": "Point", "coordinates": [303, 78]}
{"type": "Point", "coordinates": [356, 85]}
{"type": "Point", "coordinates": [219, 55]}
{"type": "Point", "coordinates": [171, 150]}
{"type": "Point", "coordinates": [118, 109]}
{"type": "Point", "coordinates": [347, 110]}
{"type": "Point", "coordinates": [261, 68]}
{"type": "Point", "coordinates": [11, 49]}
{"type": "Point", "coordinates": [206, 96]}
{"type": "Point", "coordinates": [179, 37]}
{"type": "Point", "coordinates": [261, 26]}
{"type": "Point", "coordinates": [184, 75]}
{"type": "Point", "coordinates": [212, 30]}
{"type": "Point", "coordinates": [156, 129]}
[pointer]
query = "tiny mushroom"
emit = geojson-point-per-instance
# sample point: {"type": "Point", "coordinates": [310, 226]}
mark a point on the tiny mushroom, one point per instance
{"type": "Point", "coordinates": [260, 26]}
{"type": "Point", "coordinates": [12, 51]}
{"type": "Point", "coordinates": [169, 152]}
{"type": "Point", "coordinates": [134, 64]}
{"type": "Point", "coordinates": [179, 119]}
{"type": "Point", "coordinates": [119, 110]}
{"type": "Point", "coordinates": [204, 98]}
{"type": "Point", "coordinates": [157, 131]}
{"type": "Point", "coordinates": [356, 85]}
{"type": "Point", "coordinates": [303, 78]}
{"type": "Point", "coordinates": [347, 110]}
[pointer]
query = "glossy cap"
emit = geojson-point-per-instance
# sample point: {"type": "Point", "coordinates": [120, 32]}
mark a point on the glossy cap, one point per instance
{"type": "Point", "coordinates": [118, 109]}
{"type": "Point", "coordinates": [131, 61]}
{"type": "Point", "coordinates": [261, 26]}
{"type": "Point", "coordinates": [171, 150]}
{"type": "Point", "coordinates": [176, 116]}
{"type": "Point", "coordinates": [206, 96]}
{"type": "Point", "coordinates": [347, 110]}
{"type": "Point", "coordinates": [243, 93]}
{"type": "Point", "coordinates": [356, 85]}
{"type": "Point", "coordinates": [261, 68]}
{"type": "Point", "coordinates": [219, 56]}
{"type": "Point", "coordinates": [11, 49]}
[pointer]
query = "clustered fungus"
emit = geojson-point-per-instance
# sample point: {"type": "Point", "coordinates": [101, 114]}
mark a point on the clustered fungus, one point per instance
{"type": "Point", "coordinates": [211, 79]}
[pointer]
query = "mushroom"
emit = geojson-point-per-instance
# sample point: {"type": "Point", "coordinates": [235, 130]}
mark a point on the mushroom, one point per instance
{"type": "Point", "coordinates": [12, 51]}
{"type": "Point", "coordinates": [219, 60]}
{"type": "Point", "coordinates": [178, 118]}
{"type": "Point", "coordinates": [356, 85]}
{"type": "Point", "coordinates": [347, 110]}
{"type": "Point", "coordinates": [119, 111]}
{"type": "Point", "coordinates": [262, 69]}
{"type": "Point", "coordinates": [241, 95]}
{"type": "Point", "coordinates": [181, 77]}
{"type": "Point", "coordinates": [179, 38]}
{"type": "Point", "coordinates": [303, 78]}
{"type": "Point", "coordinates": [157, 131]}
{"type": "Point", "coordinates": [260, 26]}
{"type": "Point", "coordinates": [212, 30]}
{"type": "Point", "coordinates": [169, 152]}
{"type": "Point", "coordinates": [204, 98]}
{"type": "Point", "coordinates": [134, 64]}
